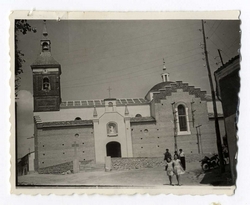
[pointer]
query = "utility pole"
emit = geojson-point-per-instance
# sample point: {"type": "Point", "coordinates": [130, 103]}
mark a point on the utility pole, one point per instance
{"type": "Point", "coordinates": [198, 134]}
{"type": "Point", "coordinates": [175, 127]}
{"type": "Point", "coordinates": [217, 129]}
{"type": "Point", "coordinates": [220, 57]}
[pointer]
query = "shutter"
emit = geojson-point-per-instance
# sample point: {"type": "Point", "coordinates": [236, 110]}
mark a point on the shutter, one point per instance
{"type": "Point", "coordinates": [52, 82]}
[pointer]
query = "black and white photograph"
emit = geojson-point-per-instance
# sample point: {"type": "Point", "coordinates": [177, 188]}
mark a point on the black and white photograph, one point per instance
{"type": "Point", "coordinates": [126, 103]}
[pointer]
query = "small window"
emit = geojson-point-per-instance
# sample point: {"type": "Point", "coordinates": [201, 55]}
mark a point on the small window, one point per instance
{"type": "Point", "coordinates": [46, 84]}
{"type": "Point", "coordinates": [138, 115]}
{"type": "Point", "coordinates": [78, 118]}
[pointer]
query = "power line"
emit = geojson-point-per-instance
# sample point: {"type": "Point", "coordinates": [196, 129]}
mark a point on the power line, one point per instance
{"type": "Point", "coordinates": [129, 53]}
{"type": "Point", "coordinates": [147, 68]}
{"type": "Point", "coordinates": [127, 68]}
{"type": "Point", "coordinates": [210, 28]}
{"type": "Point", "coordinates": [233, 43]}
{"type": "Point", "coordinates": [129, 39]}
{"type": "Point", "coordinates": [185, 63]}
{"type": "Point", "coordinates": [117, 49]}
{"type": "Point", "coordinates": [216, 29]}
{"type": "Point", "coordinates": [216, 47]}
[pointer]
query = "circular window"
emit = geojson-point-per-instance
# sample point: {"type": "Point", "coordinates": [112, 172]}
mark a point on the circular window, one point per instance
{"type": "Point", "coordinates": [146, 130]}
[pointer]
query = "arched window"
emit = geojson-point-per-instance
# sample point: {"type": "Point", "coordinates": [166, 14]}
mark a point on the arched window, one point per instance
{"type": "Point", "coordinates": [182, 118]}
{"type": "Point", "coordinates": [138, 115]}
{"type": "Point", "coordinates": [112, 129]}
{"type": "Point", "coordinates": [78, 118]}
{"type": "Point", "coordinates": [46, 84]}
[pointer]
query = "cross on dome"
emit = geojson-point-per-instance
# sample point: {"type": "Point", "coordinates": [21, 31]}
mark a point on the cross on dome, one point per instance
{"type": "Point", "coordinates": [164, 75]}
{"type": "Point", "coordinates": [164, 66]}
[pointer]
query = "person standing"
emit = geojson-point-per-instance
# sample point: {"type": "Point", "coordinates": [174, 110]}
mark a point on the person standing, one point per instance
{"type": "Point", "coordinates": [167, 155]}
{"type": "Point", "coordinates": [176, 153]}
{"type": "Point", "coordinates": [178, 170]}
{"type": "Point", "coordinates": [170, 170]}
{"type": "Point", "coordinates": [182, 158]}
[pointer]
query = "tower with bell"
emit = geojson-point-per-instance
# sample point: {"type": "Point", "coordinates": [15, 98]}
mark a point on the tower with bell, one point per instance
{"type": "Point", "coordinates": [46, 78]}
{"type": "Point", "coordinates": [164, 75]}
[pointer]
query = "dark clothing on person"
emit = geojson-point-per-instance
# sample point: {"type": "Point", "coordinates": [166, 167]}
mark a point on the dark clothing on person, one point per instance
{"type": "Point", "coordinates": [175, 153]}
{"type": "Point", "coordinates": [182, 158]}
{"type": "Point", "coordinates": [167, 155]}
{"type": "Point", "coordinates": [183, 162]}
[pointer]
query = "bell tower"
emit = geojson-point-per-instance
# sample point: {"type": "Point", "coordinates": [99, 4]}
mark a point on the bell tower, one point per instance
{"type": "Point", "coordinates": [46, 78]}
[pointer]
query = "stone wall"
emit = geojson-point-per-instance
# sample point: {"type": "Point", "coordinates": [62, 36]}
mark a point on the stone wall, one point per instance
{"type": "Point", "coordinates": [57, 169]}
{"type": "Point", "coordinates": [149, 162]}
{"type": "Point", "coordinates": [136, 163]}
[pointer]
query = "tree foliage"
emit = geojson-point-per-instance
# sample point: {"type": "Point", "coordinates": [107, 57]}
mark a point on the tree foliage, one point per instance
{"type": "Point", "coordinates": [21, 27]}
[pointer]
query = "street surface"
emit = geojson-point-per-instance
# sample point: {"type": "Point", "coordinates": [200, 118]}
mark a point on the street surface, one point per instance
{"type": "Point", "coordinates": [141, 177]}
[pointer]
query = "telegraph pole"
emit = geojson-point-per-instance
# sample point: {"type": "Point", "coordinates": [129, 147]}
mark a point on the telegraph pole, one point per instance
{"type": "Point", "coordinates": [175, 127]}
{"type": "Point", "coordinates": [217, 129]}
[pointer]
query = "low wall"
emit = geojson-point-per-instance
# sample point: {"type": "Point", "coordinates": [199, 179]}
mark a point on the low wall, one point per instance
{"type": "Point", "coordinates": [57, 169]}
{"type": "Point", "coordinates": [136, 163]}
{"type": "Point", "coordinates": [148, 162]}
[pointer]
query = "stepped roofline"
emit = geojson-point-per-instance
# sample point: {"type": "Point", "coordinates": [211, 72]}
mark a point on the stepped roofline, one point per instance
{"type": "Point", "coordinates": [163, 89]}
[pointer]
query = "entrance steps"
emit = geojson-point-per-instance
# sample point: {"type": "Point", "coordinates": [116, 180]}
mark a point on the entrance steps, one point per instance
{"type": "Point", "coordinates": [90, 166]}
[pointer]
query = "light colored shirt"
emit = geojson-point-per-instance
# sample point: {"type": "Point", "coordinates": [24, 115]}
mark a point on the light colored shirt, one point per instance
{"type": "Point", "coordinates": [182, 154]}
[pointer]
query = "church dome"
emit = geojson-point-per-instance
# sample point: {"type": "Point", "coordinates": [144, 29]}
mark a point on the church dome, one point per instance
{"type": "Point", "coordinates": [157, 87]}
{"type": "Point", "coordinates": [160, 86]}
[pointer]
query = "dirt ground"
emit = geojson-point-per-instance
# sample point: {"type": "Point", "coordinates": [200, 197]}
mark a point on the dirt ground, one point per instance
{"type": "Point", "coordinates": [141, 177]}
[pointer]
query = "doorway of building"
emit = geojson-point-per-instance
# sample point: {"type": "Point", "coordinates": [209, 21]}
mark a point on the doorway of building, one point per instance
{"type": "Point", "coordinates": [113, 149]}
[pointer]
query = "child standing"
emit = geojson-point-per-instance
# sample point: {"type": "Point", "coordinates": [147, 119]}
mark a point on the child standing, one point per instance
{"type": "Point", "coordinates": [170, 170]}
{"type": "Point", "coordinates": [178, 170]}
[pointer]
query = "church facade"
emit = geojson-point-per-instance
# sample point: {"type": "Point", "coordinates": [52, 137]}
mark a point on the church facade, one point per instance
{"type": "Point", "coordinates": [167, 117]}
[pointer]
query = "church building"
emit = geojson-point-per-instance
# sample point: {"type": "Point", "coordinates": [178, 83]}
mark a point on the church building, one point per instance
{"type": "Point", "coordinates": [169, 116]}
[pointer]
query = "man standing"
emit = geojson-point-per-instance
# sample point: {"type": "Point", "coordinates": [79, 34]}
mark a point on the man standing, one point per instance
{"type": "Point", "coordinates": [167, 155]}
{"type": "Point", "coordinates": [182, 158]}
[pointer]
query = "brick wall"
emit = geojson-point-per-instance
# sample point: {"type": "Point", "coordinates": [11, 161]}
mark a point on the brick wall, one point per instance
{"type": "Point", "coordinates": [151, 140]}
{"type": "Point", "coordinates": [55, 145]}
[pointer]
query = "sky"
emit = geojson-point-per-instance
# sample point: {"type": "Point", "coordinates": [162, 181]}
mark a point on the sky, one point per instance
{"type": "Point", "coordinates": [126, 56]}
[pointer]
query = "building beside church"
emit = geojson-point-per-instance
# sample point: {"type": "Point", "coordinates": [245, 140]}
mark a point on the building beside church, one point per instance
{"type": "Point", "coordinates": [167, 117]}
{"type": "Point", "coordinates": [228, 86]}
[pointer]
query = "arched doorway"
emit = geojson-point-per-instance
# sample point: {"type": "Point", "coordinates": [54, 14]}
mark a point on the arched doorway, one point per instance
{"type": "Point", "coordinates": [113, 149]}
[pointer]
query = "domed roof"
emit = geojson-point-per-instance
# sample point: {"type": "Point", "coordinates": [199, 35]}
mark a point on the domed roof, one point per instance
{"type": "Point", "coordinates": [161, 86]}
